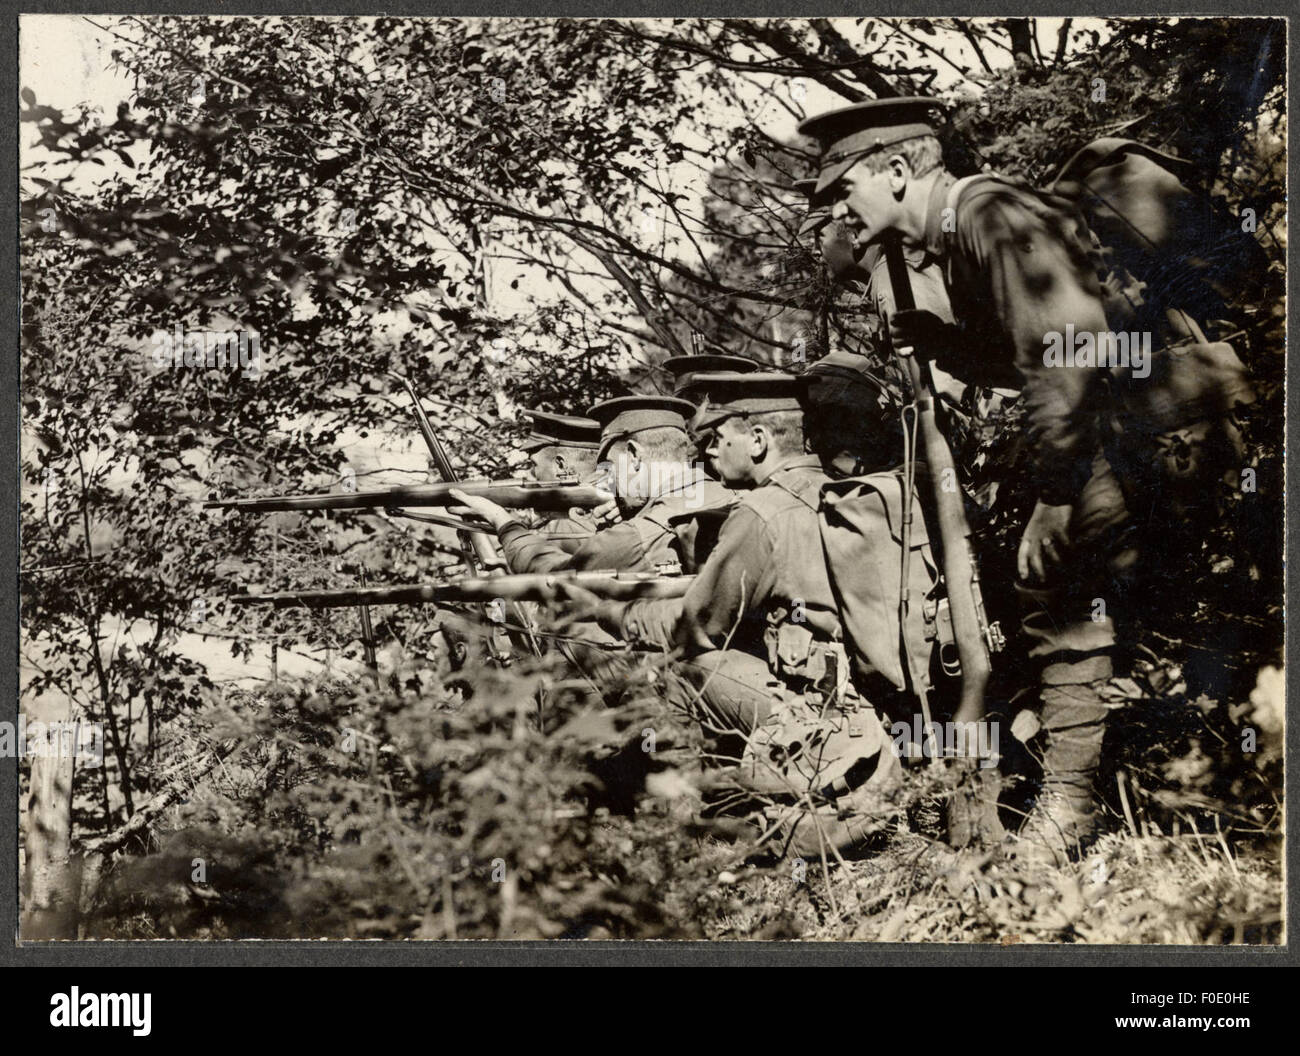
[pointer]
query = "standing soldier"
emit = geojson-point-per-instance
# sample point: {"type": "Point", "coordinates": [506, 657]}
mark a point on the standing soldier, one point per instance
{"type": "Point", "coordinates": [563, 447]}
{"type": "Point", "coordinates": [855, 426]}
{"type": "Point", "coordinates": [1016, 273]}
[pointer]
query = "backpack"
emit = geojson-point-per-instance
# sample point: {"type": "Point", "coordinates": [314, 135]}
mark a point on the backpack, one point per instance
{"type": "Point", "coordinates": [1160, 247]}
{"type": "Point", "coordinates": [1163, 242]}
{"type": "Point", "coordinates": [1165, 248]}
{"type": "Point", "coordinates": [861, 524]}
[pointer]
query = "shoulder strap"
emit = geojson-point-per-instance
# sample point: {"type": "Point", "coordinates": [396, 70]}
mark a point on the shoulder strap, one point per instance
{"type": "Point", "coordinates": [803, 487]}
{"type": "Point", "coordinates": [956, 191]}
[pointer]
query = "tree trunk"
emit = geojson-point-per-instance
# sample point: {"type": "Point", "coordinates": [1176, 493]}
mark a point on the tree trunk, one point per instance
{"type": "Point", "coordinates": [52, 874]}
{"type": "Point", "coordinates": [1021, 31]}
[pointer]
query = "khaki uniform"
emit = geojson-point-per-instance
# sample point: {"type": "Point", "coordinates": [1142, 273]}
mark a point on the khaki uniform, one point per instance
{"type": "Point", "coordinates": [639, 544]}
{"type": "Point", "coordinates": [759, 641]}
{"type": "Point", "coordinates": [569, 531]}
{"type": "Point", "coordinates": [1016, 271]}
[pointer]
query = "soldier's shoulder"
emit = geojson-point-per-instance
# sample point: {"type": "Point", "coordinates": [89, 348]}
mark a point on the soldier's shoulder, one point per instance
{"type": "Point", "coordinates": [796, 488]}
{"type": "Point", "coordinates": [991, 204]}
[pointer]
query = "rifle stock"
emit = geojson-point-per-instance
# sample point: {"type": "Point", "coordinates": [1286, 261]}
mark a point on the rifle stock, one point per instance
{"type": "Point", "coordinates": [959, 570]}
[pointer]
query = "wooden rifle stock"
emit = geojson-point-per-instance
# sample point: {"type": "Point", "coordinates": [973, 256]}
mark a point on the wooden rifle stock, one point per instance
{"type": "Point", "coordinates": [959, 571]}
{"type": "Point", "coordinates": [514, 494]}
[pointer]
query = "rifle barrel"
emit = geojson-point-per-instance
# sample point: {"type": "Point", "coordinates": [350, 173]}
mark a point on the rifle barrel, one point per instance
{"type": "Point", "coordinates": [613, 586]}
{"type": "Point", "coordinates": [512, 494]}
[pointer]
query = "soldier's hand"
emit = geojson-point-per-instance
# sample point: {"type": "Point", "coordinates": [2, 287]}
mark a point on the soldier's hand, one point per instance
{"type": "Point", "coordinates": [1045, 542]}
{"type": "Point", "coordinates": [606, 513]}
{"type": "Point", "coordinates": [923, 332]}
{"type": "Point", "coordinates": [487, 509]}
{"type": "Point", "coordinates": [579, 603]}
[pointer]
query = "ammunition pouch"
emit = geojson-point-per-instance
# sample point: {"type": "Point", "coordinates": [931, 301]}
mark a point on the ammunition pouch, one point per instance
{"type": "Point", "coordinates": [806, 665]}
{"type": "Point", "coordinates": [821, 737]}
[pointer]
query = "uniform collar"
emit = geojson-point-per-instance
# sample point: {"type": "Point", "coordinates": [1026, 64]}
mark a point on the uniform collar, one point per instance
{"type": "Point", "coordinates": [686, 481]}
{"type": "Point", "coordinates": [934, 214]}
{"type": "Point", "coordinates": [793, 462]}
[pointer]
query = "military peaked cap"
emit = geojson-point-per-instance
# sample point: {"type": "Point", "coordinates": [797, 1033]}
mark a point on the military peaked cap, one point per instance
{"type": "Point", "coordinates": [561, 430]}
{"type": "Point", "coordinates": [851, 133]}
{"type": "Point", "coordinates": [624, 416]}
{"type": "Point", "coordinates": [729, 394]}
{"type": "Point", "coordinates": [685, 369]}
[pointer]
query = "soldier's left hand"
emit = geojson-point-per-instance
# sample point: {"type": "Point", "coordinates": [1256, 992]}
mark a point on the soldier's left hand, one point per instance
{"type": "Point", "coordinates": [1045, 542]}
{"type": "Point", "coordinates": [579, 602]}
{"type": "Point", "coordinates": [485, 508]}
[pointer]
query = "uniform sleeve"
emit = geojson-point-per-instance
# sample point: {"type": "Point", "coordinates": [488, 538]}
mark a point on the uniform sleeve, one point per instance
{"type": "Point", "coordinates": [736, 580]}
{"type": "Point", "coordinates": [565, 532]}
{"type": "Point", "coordinates": [1038, 287]}
{"type": "Point", "coordinates": [528, 550]}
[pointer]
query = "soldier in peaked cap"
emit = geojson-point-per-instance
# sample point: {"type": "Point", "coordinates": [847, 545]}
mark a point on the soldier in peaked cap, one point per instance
{"type": "Point", "coordinates": [563, 447]}
{"type": "Point", "coordinates": [685, 371]}
{"type": "Point", "coordinates": [644, 458]}
{"type": "Point", "coordinates": [834, 240]}
{"type": "Point", "coordinates": [862, 267]}
{"type": "Point", "coordinates": [1016, 270]}
{"type": "Point", "coordinates": [853, 421]}
{"type": "Point", "coordinates": [854, 425]}
{"type": "Point", "coordinates": [758, 634]}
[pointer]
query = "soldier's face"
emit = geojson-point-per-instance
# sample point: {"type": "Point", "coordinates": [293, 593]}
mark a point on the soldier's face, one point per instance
{"type": "Point", "coordinates": [835, 240]}
{"type": "Point", "coordinates": [545, 464]}
{"type": "Point", "coordinates": [732, 451]}
{"type": "Point", "coordinates": [867, 202]}
{"type": "Point", "coordinates": [704, 453]}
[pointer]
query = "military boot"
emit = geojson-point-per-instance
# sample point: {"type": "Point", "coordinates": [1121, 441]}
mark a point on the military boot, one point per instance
{"type": "Point", "coordinates": [844, 828]}
{"type": "Point", "coordinates": [1064, 817]}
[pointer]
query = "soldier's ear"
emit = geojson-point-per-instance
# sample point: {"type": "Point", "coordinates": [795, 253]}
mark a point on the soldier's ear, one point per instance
{"type": "Point", "coordinates": [760, 441]}
{"type": "Point", "coordinates": [899, 173]}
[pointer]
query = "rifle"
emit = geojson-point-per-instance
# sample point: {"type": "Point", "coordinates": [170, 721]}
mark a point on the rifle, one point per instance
{"type": "Point", "coordinates": [975, 639]}
{"type": "Point", "coordinates": [524, 586]}
{"type": "Point", "coordinates": [477, 549]}
{"type": "Point", "coordinates": [516, 493]}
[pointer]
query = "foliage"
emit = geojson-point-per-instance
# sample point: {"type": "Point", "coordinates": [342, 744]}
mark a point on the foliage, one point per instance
{"type": "Point", "coordinates": [529, 211]}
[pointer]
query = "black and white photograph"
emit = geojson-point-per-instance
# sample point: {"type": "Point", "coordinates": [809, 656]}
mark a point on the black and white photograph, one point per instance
{"type": "Point", "coordinates": [710, 479]}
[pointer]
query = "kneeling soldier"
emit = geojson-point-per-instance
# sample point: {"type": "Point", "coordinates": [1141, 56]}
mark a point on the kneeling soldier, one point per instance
{"type": "Point", "coordinates": [758, 633]}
